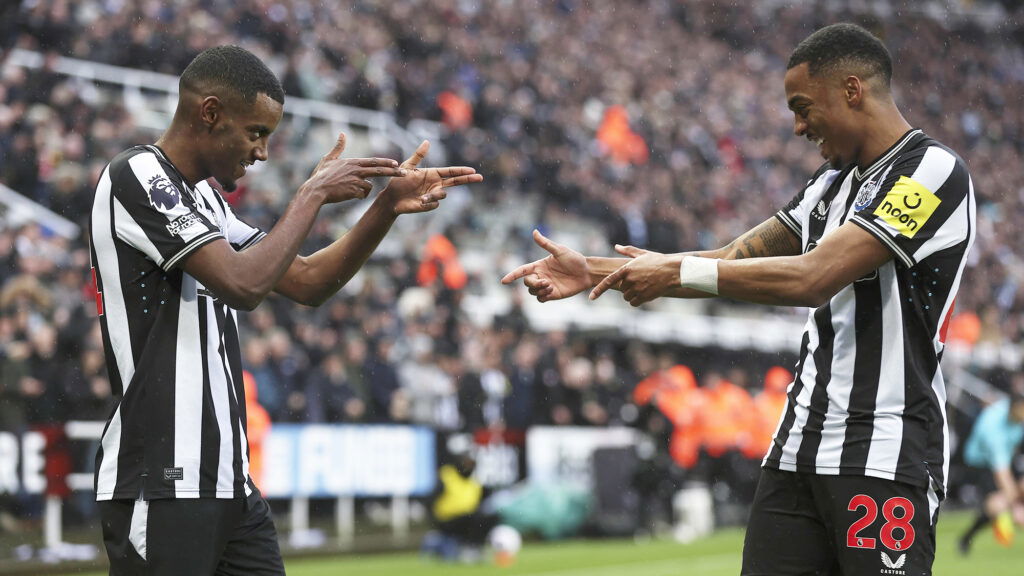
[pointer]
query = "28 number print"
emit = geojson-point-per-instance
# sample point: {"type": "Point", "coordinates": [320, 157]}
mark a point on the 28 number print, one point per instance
{"type": "Point", "coordinates": [893, 522]}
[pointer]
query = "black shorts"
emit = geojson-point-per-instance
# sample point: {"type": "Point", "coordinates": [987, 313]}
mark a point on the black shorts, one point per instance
{"type": "Point", "coordinates": [839, 525]}
{"type": "Point", "coordinates": [203, 537]}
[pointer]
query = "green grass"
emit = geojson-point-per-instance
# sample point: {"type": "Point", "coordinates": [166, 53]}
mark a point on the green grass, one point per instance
{"type": "Point", "coordinates": [717, 555]}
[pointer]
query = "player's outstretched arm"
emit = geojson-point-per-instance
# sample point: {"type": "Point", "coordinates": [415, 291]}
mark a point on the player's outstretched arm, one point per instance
{"type": "Point", "coordinates": [243, 279]}
{"type": "Point", "coordinates": [566, 272]}
{"type": "Point", "coordinates": [808, 279]}
{"type": "Point", "coordinates": [313, 279]}
{"type": "Point", "coordinates": [769, 238]}
{"type": "Point", "coordinates": [653, 275]}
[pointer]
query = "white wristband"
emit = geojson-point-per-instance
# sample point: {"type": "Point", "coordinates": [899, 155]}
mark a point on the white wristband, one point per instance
{"type": "Point", "coordinates": [699, 273]}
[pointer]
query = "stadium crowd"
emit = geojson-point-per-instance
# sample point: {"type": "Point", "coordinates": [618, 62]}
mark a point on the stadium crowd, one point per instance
{"type": "Point", "coordinates": [661, 123]}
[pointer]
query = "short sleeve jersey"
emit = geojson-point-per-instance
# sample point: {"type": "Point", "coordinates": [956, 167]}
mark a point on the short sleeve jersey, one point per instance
{"type": "Point", "coordinates": [172, 351]}
{"type": "Point", "coordinates": [868, 396]}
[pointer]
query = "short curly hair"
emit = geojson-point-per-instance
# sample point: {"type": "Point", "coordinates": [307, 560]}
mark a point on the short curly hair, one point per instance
{"type": "Point", "coordinates": [844, 47]}
{"type": "Point", "coordinates": [234, 68]}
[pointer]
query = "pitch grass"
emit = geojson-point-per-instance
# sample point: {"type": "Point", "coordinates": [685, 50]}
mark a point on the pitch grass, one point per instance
{"type": "Point", "coordinates": [717, 555]}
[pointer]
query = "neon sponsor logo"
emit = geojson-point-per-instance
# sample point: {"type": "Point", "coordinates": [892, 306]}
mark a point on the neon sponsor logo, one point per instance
{"type": "Point", "coordinates": [907, 206]}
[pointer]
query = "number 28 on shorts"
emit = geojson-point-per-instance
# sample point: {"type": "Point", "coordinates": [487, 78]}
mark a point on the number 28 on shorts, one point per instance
{"type": "Point", "coordinates": [896, 534]}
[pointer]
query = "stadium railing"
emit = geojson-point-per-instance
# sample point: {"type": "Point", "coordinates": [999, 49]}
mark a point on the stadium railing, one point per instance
{"type": "Point", "coordinates": [155, 113]}
{"type": "Point", "coordinates": [16, 210]}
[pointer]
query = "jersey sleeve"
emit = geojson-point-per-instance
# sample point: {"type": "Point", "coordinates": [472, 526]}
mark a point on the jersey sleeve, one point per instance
{"type": "Point", "coordinates": [923, 206]}
{"type": "Point", "coordinates": [152, 216]}
{"type": "Point", "coordinates": [239, 233]}
{"type": "Point", "coordinates": [795, 214]}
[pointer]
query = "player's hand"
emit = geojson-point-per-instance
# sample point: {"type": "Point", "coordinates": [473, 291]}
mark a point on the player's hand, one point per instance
{"type": "Point", "coordinates": [562, 274]}
{"type": "Point", "coordinates": [647, 276]}
{"type": "Point", "coordinates": [342, 179]}
{"type": "Point", "coordinates": [422, 189]}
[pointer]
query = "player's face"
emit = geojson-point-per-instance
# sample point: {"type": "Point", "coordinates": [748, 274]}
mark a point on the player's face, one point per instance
{"type": "Point", "coordinates": [820, 114]}
{"type": "Point", "coordinates": [242, 137]}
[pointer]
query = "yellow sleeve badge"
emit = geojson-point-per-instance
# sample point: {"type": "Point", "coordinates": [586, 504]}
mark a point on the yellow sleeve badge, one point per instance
{"type": "Point", "coordinates": [907, 206]}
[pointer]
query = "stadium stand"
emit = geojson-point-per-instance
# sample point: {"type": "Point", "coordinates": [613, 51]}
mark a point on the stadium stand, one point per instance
{"type": "Point", "coordinates": [662, 127]}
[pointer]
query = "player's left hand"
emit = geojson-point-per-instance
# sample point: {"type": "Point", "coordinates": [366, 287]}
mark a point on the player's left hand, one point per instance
{"type": "Point", "coordinates": [422, 189]}
{"type": "Point", "coordinates": [647, 276]}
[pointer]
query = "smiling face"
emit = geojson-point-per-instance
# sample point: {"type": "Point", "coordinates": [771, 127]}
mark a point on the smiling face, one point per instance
{"type": "Point", "coordinates": [823, 112]}
{"type": "Point", "coordinates": [238, 135]}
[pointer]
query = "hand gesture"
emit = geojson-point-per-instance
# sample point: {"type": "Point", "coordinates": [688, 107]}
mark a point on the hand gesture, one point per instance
{"type": "Point", "coordinates": [647, 276]}
{"type": "Point", "coordinates": [345, 179]}
{"type": "Point", "coordinates": [422, 189]}
{"type": "Point", "coordinates": [562, 274]}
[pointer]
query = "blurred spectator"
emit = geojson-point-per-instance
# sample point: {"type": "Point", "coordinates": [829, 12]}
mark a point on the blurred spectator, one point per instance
{"type": "Point", "coordinates": [521, 407]}
{"type": "Point", "coordinates": [257, 426]}
{"type": "Point", "coordinates": [658, 151]}
{"type": "Point", "coordinates": [768, 406]}
{"type": "Point", "coordinates": [333, 397]}
{"type": "Point", "coordinates": [673, 391]}
{"type": "Point", "coordinates": [725, 418]}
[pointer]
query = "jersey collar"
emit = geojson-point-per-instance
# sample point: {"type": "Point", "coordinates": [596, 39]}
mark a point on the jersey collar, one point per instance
{"type": "Point", "coordinates": [886, 157]}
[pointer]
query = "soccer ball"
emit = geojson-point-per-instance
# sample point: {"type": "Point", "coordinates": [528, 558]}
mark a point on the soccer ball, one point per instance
{"type": "Point", "coordinates": [506, 542]}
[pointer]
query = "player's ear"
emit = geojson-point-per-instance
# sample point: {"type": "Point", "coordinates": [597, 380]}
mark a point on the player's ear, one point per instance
{"type": "Point", "coordinates": [211, 112]}
{"type": "Point", "coordinates": [853, 88]}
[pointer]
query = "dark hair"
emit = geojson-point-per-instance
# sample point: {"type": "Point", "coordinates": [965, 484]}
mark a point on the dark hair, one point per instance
{"type": "Point", "coordinates": [233, 68]}
{"type": "Point", "coordinates": [843, 46]}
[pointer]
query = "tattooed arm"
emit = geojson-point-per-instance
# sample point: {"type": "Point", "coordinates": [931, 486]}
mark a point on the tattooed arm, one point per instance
{"type": "Point", "coordinates": [769, 238]}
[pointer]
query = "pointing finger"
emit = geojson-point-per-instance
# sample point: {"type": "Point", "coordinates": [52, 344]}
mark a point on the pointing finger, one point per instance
{"type": "Point", "coordinates": [373, 162]}
{"type": "Point", "coordinates": [417, 156]}
{"type": "Point", "coordinates": [339, 147]}
{"type": "Point", "coordinates": [460, 180]}
{"type": "Point", "coordinates": [546, 243]}
{"type": "Point", "coordinates": [524, 270]}
{"type": "Point", "coordinates": [372, 171]}
{"type": "Point", "coordinates": [452, 171]}
{"type": "Point", "coordinates": [333, 154]}
{"type": "Point", "coordinates": [609, 281]}
{"type": "Point", "coordinates": [630, 251]}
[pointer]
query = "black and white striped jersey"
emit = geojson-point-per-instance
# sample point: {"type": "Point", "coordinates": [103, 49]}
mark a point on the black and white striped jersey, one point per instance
{"type": "Point", "coordinates": [172, 351]}
{"type": "Point", "coordinates": [868, 397]}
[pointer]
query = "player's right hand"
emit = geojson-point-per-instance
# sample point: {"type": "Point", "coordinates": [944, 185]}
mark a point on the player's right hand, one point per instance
{"type": "Point", "coordinates": [341, 179]}
{"type": "Point", "coordinates": [562, 274]}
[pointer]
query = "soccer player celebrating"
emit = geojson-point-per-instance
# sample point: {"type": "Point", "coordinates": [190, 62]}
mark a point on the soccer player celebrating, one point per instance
{"type": "Point", "coordinates": [875, 245]}
{"type": "Point", "coordinates": [172, 264]}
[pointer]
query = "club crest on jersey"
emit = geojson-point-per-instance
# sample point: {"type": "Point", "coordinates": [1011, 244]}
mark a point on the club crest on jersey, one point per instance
{"type": "Point", "coordinates": [866, 194]}
{"type": "Point", "coordinates": [163, 194]}
{"type": "Point", "coordinates": [894, 567]}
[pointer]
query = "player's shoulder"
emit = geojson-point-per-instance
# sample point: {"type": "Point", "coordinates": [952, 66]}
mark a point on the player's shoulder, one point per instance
{"type": "Point", "coordinates": [826, 172]}
{"type": "Point", "coordinates": [134, 163]}
{"type": "Point", "coordinates": [125, 157]}
{"type": "Point", "coordinates": [931, 154]}
{"type": "Point", "coordinates": [822, 179]}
